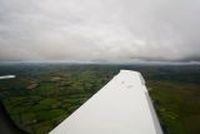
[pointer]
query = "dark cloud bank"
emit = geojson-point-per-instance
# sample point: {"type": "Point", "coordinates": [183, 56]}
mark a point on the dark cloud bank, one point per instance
{"type": "Point", "coordinates": [99, 30]}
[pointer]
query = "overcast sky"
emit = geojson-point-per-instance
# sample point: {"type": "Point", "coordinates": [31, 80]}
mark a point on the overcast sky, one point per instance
{"type": "Point", "coordinates": [99, 29]}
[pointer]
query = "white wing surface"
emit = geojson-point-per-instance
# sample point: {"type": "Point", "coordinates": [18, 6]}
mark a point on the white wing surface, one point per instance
{"type": "Point", "coordinates": [7, 77]}
{"type": "Point", "coordinates": [122, 106]}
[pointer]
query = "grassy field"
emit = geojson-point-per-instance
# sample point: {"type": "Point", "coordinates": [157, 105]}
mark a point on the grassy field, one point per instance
{"type": "Point", "coordinates": [43, 95]}
{"type": "Point", "coordinates": [178, 106]}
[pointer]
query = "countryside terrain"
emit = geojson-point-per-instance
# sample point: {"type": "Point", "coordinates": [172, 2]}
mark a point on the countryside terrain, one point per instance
{"type": "Point", "coordinates": [43, 95]}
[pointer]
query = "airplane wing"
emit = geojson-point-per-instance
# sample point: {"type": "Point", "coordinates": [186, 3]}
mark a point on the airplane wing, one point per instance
{"type": "Point", "coordinates": [7, 77]}
{"type": "Point", "coordinates": [122, 106]}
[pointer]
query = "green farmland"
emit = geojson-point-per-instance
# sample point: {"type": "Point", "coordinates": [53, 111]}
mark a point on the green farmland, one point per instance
{"type": "Point", "coordinates": [43, 95]}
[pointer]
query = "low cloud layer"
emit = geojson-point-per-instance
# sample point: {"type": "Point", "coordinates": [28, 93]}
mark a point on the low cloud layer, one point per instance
{"type": "Point", "coordinates": [99, 29]}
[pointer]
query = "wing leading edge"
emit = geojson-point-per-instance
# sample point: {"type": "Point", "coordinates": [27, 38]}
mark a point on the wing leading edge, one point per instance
{"type": "Point", "coordinates": [122, 106]}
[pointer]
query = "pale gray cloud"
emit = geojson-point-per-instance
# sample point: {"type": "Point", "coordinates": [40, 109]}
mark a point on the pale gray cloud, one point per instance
{"type": "Point", "coordinates": [99, 29]}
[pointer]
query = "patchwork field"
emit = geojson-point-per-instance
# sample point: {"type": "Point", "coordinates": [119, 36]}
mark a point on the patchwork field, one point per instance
{"type": "Point", "coordinates": [43, 95]}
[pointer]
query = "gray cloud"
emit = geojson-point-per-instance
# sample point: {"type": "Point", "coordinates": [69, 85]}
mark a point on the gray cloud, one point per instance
{"type": "Point", "coordinates": [99, 29]}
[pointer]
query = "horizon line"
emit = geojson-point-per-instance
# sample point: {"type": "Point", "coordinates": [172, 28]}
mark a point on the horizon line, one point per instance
{"type": "Point", "coordinates": [125, 62]}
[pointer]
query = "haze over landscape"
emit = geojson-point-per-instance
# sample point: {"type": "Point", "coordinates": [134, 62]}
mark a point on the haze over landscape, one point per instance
{"type": "Point", "coordinates": [99, 30]}
{"type": "Point", "coordinates": [62, 52]}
